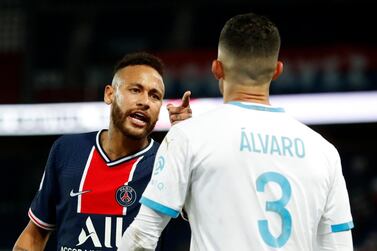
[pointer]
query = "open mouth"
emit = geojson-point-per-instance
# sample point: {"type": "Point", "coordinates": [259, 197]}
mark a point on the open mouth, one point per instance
{"type": "Point", "coordinates": [139, 119]}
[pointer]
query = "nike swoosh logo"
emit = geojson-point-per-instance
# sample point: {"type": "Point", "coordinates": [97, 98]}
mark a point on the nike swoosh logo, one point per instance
{"type": "Point", "coordinates": [73, 194]}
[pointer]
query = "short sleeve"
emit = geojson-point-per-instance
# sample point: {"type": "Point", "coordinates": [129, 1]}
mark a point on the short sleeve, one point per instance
{"type": "Point", "coordinates": [43, 207]}
{"type": "Point", "coordinates": [337, 214]}
{"type": "Point", "coordinates": [167, 189]}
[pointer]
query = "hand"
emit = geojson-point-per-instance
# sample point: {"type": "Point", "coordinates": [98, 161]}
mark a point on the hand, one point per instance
{"type": "Point", "coordinates": [182, 112]}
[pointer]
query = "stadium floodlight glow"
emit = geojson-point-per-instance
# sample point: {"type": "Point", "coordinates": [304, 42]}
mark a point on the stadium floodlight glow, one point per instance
{"type": "Point", "coordinates": [62, 118]}
{"type": "Point", "coordinates": [44, 119]}
{"type": "Point", "coordinates": [330, 108]}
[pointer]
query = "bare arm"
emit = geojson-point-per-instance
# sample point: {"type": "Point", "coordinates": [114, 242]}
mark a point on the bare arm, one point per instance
{"type": "Point", "coordinates": [33, 238]}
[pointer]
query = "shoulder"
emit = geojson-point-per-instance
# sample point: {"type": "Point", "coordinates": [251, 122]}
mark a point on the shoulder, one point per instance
{"type": "Point", "coordinates": [75, 141]}
{"type": "Point", "coordinates": [318, 142]}
{"type": "Point", "coordinates": [77, 138]}
{"type": "Point", "coordinates": [319, 139]}
{"type": "Point", "coordinates": [205, 119]}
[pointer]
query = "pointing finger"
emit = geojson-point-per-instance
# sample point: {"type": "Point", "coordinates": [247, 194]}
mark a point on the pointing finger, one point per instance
{"type": "Point", "coordinates": [186, 99]}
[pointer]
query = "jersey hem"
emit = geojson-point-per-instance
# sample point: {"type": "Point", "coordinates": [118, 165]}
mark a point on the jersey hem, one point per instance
{"type": "Point", "coordinates": [159, 207]}
{"type": "Point", "coordinates": [342, 227]}
{"type": "Point", "coordinates": [39, 222]}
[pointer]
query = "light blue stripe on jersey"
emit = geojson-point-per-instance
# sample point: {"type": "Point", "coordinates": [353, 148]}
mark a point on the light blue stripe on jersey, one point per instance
{"type": "Point", "coordinates": [342, 227]}
{"type": "Point", "coordinates": [257, 107]}
{"type": "Point", "coordinates": [159, 207]}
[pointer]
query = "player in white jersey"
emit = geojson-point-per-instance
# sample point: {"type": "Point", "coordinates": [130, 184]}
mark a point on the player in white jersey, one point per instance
{"type": "Point", "coordinates": [249, 176]}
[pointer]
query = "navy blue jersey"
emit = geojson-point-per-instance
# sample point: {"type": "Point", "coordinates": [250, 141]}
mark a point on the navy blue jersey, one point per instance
{"type": "Point", "coordinates": [87, 198]}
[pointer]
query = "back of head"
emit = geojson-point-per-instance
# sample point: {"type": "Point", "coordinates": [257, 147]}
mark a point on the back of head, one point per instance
{"type": "Point", "coordinates": [248, 47]}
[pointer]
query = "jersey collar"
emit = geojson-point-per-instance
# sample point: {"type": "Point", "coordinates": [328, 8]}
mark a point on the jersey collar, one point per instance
{"type": "Point", "coordinates": [122, 159]}
{"type": "Point", "coordinates": [257, 107]}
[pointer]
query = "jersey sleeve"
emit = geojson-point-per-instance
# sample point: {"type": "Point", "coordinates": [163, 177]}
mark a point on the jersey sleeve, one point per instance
{"type": "Point", "coordinates": [337, 213]}
{"type": "Point", "coordinates": [42, 209]}
{"type": "Point", "coordinates": [166, 191]}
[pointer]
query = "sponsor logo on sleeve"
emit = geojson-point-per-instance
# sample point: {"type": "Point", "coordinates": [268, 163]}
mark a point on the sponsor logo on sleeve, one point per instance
{"type": "Point", "coordinates": [159, 166]}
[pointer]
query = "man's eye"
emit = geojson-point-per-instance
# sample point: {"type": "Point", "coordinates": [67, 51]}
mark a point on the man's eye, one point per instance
{"type": "Point", "coordinates": [156, 97]}
{"type": "Point", "coordinates": [134, 90]}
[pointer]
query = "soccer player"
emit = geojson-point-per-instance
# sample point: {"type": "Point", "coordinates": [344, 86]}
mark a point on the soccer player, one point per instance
{"type": "Point", "coordinates": [249, 176]}
{"type": "Point", "coordinates": [92, 183]}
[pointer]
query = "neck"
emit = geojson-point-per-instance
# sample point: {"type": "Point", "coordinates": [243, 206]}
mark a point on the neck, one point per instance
{"type": "Point", "coordinates": [246, 93]}
{"type": "Point", "coordinates": [116, 145]}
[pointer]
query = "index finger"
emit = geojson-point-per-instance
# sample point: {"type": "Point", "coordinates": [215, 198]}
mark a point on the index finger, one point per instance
{"type": "Point", "coordinates": [186, 99]}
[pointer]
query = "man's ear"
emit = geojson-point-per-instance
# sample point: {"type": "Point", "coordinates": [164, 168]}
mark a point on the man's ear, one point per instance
{"type": "Point", "coordinates": [278, 70]}
{"type": "Point", "coordinates": [217, 69]}
{"type": "Point", "coordinates": [109, 94]}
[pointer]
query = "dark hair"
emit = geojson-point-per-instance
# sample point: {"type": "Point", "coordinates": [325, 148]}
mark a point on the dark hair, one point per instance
{"type": "Point", "coordinates": [250, 35]}
{"type": "Point", "coordinates": [141, 58]}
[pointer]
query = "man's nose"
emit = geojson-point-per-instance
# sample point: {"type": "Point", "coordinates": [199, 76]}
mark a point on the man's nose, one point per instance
{"type": "Point", "coordinates": [144, 99]}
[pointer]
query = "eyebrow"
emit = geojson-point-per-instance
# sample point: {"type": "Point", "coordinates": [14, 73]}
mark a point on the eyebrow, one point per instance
{"type": "Point", "coordinates": [154, 90]}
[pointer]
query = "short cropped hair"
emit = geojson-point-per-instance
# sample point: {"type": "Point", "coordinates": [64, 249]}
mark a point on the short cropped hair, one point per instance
{"type": "Point", "coordinates": [250, 35]}
{"type": "Point", "coordinates": [141, 58]}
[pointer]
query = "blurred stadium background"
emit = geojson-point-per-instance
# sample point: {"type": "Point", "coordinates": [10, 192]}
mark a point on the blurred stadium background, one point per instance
{"type": "Point", "coordinates": [61, 51]}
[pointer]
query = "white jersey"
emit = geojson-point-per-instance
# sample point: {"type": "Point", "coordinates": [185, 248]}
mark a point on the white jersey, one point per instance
{"type": "Point", "coordinates": [250, 177]}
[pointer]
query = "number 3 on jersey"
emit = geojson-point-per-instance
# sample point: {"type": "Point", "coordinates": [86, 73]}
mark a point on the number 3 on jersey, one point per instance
{"type": "Point", "coordinates": [278, 207]}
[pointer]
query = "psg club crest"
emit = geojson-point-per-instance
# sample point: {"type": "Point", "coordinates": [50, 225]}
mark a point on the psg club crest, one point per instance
{"type": "Point", "coordinates": [126, 196]}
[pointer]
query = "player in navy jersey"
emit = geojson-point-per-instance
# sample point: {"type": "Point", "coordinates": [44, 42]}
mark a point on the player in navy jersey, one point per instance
{"type": "Point", "coordinates": [92, 183]}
